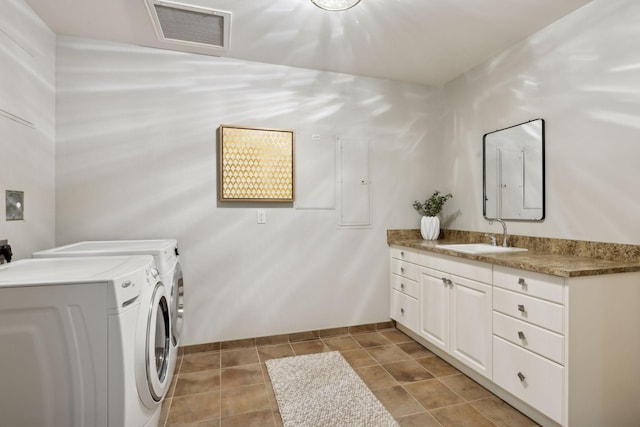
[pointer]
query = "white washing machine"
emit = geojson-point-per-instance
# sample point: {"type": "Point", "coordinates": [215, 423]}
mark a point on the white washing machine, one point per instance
{"type": "Point", "coordinates": [166, 255]}
{"type": "Point", "coordinates": [85, 342]}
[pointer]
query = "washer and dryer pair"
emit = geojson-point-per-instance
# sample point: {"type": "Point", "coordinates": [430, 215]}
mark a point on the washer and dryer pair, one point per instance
{"type": "Point", "coordinates": [88, 339]}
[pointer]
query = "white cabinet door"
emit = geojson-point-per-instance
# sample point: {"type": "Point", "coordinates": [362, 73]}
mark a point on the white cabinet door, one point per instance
{"type": "Point", "coordinates": [435, 318]}
{"type": "Point", "coordinates": [471, 322]}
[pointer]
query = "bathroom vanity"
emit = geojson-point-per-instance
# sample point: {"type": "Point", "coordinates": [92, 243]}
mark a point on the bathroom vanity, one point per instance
{"type": "Point", "coordinates": [557, 336]}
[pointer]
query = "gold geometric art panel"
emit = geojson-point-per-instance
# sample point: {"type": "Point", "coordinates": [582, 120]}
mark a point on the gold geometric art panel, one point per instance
{"type": "Point", "coordinates": [255, 164]}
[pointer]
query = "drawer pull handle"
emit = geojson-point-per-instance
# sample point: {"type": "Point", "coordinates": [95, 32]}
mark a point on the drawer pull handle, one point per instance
{"type": "Point", "coordinates": [521, 335]}
{"type": "Point", "coordinates": [521, 376]}
{"type": "Point", "coordinates": [402, 253]}
{"type": "Point", "coordinates": [521, 308]}
{"type": "Point", "coordinates": [401, 285]}
{"type": "Point", "coordinates": [402, 311]}
{"type": "Point", "coordinates": [401, 269]}
{"type": "Point", "coordinates": [521, 282]}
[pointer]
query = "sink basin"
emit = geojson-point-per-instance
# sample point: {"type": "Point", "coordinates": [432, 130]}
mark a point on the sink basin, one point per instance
{"type": "Point", "coordinates": [480, 248]}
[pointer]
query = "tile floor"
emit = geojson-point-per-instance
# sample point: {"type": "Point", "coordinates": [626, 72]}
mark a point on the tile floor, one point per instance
{"type": "Point", "coordinates": [232, 388]}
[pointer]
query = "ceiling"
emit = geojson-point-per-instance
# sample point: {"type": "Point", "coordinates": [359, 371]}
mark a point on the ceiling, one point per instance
{"type": "Point", "coordinates": [427, 42]}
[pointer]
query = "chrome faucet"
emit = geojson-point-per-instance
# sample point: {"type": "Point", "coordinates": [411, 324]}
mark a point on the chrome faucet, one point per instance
{"type": "Point", "coordinates": [504, 230]}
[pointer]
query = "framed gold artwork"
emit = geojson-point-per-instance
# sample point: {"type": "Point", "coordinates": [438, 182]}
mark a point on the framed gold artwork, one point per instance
{"type": "Point", "coordinates": [255, 165]}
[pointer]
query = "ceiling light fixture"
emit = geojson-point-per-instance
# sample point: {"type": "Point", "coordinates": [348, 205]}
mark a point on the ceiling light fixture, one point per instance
{"type": "Point", "coordinates": [335, 5]}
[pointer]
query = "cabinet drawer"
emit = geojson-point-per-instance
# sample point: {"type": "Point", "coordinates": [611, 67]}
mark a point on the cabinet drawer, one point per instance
{"type": "Point", "coordinates": [529, 283]}
{"type": "Point", "coordinates": [405, 269]}
{"type": "Point", "coordinates": [475, 270]}
{"type": "Point", "coordinates": [404, 310]}
{"type": "Point", "coordinates": [404, 254]}
{"type": "Point", "coordinates": [404, 285]}
{"type": "Point", "coordinates": [540, 383]}
{"type": "Point", "coordinates": [547, 314]}
{"type": "Point", "coordinates": [531, 337]}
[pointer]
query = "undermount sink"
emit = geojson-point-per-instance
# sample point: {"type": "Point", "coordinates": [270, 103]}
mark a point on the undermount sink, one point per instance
{"type": "Point", "coordinates": [479, 248]}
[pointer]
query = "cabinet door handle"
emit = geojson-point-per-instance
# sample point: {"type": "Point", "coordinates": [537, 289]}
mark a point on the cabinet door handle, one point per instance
{"type": "Point", "coordinates": [521, 335]}
{"type": "Point", "coordinates": [521, 308]}
{"type": "Point", "coordinates": [449, 282]}
{"type": "Point", "coordinates": [445, 280]}
{"type": "Point", "coordinates": [402, 311]}
{"type": "Point", "coordinates": [521, 376]}
{"type": "Point", "coordinates": [521, 282]}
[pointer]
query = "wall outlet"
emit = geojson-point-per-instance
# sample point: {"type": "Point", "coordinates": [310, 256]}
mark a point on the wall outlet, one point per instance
{"type": "Point", "coordinates": [262, 216]}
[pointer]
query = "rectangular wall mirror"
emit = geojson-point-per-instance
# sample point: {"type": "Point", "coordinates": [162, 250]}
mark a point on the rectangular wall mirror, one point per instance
{"type": "Point", "coordinates": [513, 172]}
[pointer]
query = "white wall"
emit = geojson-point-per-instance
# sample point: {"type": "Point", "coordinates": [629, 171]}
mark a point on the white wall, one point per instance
{"type": "Point", "coordinates": [27, 131]}
{"type": "Point", "coordinates": [582, 75]}
{"type": "Point", "coordinates": [136, 158]}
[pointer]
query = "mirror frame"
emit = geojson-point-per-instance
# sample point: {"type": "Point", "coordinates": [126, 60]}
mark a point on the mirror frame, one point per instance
{"type": "Point", "coordinates": [484, 172]}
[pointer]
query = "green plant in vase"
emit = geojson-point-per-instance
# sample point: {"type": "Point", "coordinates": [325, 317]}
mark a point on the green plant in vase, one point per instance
{"type": "Point", "coordinates": [430, 223]}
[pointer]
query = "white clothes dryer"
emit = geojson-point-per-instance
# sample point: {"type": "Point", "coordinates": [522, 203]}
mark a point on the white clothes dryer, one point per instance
{"type": "Point", "coordinates": [167, 259]}
{"type": "Point", "coordinates": [72, 332]}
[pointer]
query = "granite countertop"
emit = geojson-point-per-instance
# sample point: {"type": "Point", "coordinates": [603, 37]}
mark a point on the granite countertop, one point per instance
{"type": "Point", "coordinates": [556, 264]}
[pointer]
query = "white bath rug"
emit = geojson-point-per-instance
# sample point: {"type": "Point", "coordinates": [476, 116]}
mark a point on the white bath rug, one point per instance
{"type": "Point", "coordinates": [322, 390]}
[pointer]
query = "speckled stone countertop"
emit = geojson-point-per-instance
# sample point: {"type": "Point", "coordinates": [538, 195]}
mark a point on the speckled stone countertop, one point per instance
{"type": "Point", "coordinates": [558, 257]}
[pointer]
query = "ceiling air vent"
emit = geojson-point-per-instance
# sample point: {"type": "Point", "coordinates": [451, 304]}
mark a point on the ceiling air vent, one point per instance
{"type": "Point", "coordinates": [191, 25]}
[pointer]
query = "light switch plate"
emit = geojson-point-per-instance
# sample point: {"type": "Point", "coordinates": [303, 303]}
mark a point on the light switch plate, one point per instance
{"type": "Point", "coordinates": [14, 202]}
{"type": "Point", "coordinates": [262, 216]}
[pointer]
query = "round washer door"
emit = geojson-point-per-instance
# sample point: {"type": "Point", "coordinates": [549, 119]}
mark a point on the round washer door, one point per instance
{"type": "Point", "coordinates": [154, 326]}
{"type": "Point", "coordinates": [177, 304]}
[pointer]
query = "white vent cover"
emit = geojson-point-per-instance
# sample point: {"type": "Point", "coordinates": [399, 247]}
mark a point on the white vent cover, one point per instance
{"type": "Point", "coordinates": [190, 25]}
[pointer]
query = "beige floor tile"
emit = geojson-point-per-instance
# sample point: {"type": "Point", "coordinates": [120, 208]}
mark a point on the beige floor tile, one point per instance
{"type": "Point", "coordinates": [232, 387]}
{"type": "Point", "coordinates": [249, 419]}
{"type": "Point", "coordinates": [423, 419]}
{"type": "Point", "coordinates": [358, 358]}
{"type": "Point", "coordinates": [245, 356]}
{"type": "Point", "coordinates": [309, 347]}
{"type": "Point", "coordinates": [407, 371]}
{"type": "Point", "coordinates": [194, 408]}
{"type": "Point", "coordinates": [437, 366]}
{"type": "Point", "coordinates": [272, 340]}
{"type": "Point", "coordinates": [332, 332]}
{"type": "Point", "coordinates": [432, 394]}
{"type": "Point", "coordinates": [238, 400]}
{"type": "Point", "coordinates": [398, 401]}
{"type": "Point", "coordinates": [463, 415]}
{"type": "Point", "coordinates": [341, 343]}
{"type": "Point", "coordinates": [197, 382]}
{"type": "Point", "coordinates": [395, 336]}
{"type": "Point", "coordinates": [501, 413]}
{"type": "Point", "coordinates": [415, 350]}
{"type": "Point", "coordinates": [239, 376]}
{"type": "Point", "coordinates": [164, 412]}
{"type": "Point", "coordinates": [387, 354]}
{"type": "Point", "coordinates": [465, 387]}
{"type": "Point", "coordinates": [207, 423]}
{"type": "Point", "coordinates": [376, 377]}
{"type": "Point", "coordinates": [236, 344]}
{"type": "Point", "coordinates": [371, 327]}
{"type": "Point", "coordinates": [275, 352]}
{"type": "Point", "coordinates": [371, 339]}
{"type": "Point", "coordinates": [303, 336]}
{"type": "Point", "coordinates": [200, 362]}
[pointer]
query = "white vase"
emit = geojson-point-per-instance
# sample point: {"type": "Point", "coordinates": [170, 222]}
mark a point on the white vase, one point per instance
{"type": "Point", "coordinates": [430, 227]}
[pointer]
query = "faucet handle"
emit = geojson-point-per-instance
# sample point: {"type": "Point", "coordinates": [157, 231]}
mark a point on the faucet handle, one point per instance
{"type": "Point", "coordinates": [493, 239]}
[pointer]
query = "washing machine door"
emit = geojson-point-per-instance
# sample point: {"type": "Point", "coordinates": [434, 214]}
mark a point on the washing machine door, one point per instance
{"type": "Point", "coordinates": [177, 304]}
{"type": "Point", "coordinates": [153, 375]}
